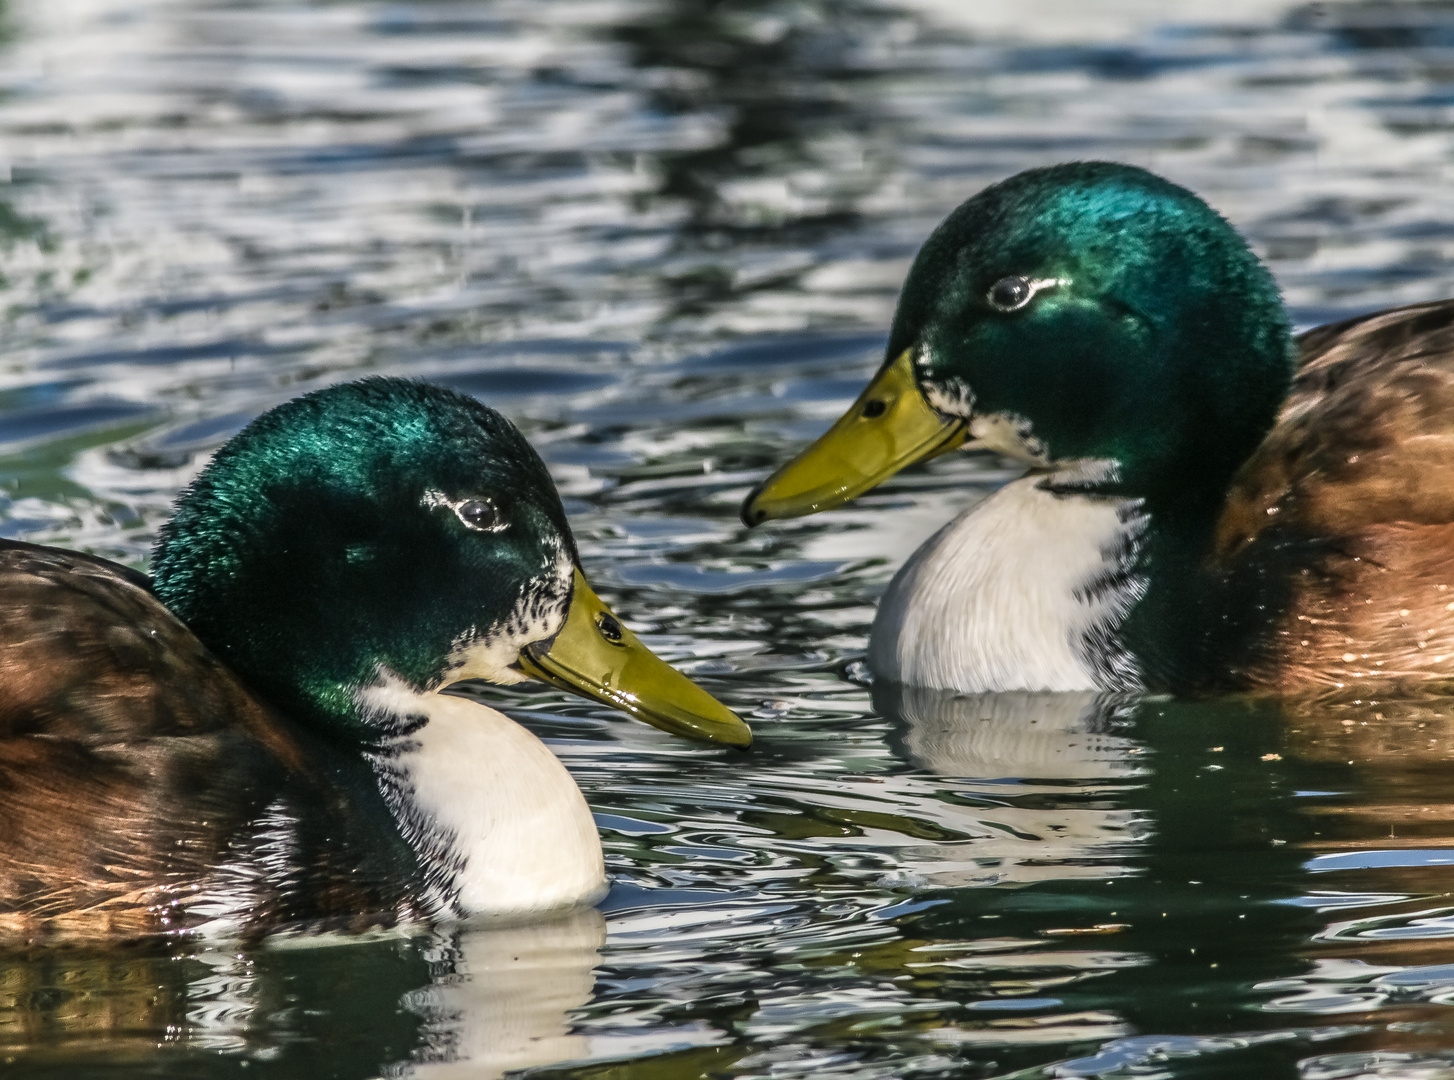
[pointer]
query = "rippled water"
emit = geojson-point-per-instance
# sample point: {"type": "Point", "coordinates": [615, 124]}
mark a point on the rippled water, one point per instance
{"type": "Point", "coordinates": [665, 236]}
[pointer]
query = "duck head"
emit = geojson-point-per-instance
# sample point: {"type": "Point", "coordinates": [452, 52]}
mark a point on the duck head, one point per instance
{"type": "Point", "coordinates": [388, 529]}
{"type": "Point", "coordinates": [1084, 313]}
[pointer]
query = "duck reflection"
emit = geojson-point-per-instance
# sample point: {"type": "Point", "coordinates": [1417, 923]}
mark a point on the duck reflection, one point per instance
{"type": "Point", "coordinates": [1042, 773]}
{"type": "Point", "coordinates": [501, 999]}
{"type": "Point", "coordinates": [1377, 853]}
{"type": "Point", "coordinates": [1026, 735]}
{"type": "Point", "coordinates": [1169, 865]}
{"type": "Point", "coordinates": [1385, 825]}
{"type": "Point", "coordinates": [476, 1001]}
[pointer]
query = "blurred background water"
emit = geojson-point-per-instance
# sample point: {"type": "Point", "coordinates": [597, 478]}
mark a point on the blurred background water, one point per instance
{"type": "Point", "coordinates": [665, 237]}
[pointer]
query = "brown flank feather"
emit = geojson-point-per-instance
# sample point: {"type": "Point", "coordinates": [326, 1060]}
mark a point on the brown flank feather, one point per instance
{"type": "Point", "coordinates": [134, 765]}
{"type": "Point", "coordinates": [1354, 488]}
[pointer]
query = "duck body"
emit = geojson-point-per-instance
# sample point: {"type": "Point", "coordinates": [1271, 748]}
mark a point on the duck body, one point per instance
{"type": "Point", "coordinates": [1210, 504]}
{"type": "Point", "coordinates": [135, 768]}
{"type": "Point", "coordinates": [261, 738]}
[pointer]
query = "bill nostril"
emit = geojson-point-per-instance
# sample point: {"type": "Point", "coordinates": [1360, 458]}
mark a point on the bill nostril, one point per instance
{"type": "Point", "coordinates": [873, 409]}
{"type": "Point", "coordinates": [752, 514]}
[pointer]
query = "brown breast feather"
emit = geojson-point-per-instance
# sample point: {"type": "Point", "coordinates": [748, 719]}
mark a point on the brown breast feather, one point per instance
{"type": "Point", "coordinates": [1353, 494]}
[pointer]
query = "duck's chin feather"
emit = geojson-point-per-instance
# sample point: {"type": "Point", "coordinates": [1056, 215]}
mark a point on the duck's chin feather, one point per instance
{"type": "Point", "coordinates": [490, 653]}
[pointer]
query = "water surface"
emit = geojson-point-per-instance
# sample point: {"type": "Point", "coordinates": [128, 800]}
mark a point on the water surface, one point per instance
{"type": "Point", "coordinates": [665, 236]}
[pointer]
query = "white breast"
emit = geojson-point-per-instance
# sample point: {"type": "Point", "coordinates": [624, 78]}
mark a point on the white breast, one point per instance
{"type": "Point", "coordinates": [1017, 593]}
{"type": "Point", "coordinates": [491, 807]}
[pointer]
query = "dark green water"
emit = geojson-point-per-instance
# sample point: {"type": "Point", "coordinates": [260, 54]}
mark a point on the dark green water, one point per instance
{"type": "Point", "coordinates": [666, 237]}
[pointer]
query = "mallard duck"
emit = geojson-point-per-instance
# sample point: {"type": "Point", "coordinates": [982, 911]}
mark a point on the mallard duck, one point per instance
{"type": "Point", "coordinates": [1211, 504]}
{"type": "Point", "coordinates": [261, 736]}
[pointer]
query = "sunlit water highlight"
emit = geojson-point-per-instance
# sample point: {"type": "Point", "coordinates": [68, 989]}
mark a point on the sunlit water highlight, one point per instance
{"type": "Point", "coordinates": [665, 237]}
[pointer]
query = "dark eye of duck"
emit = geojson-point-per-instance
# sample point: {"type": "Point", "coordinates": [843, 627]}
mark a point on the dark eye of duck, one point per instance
{"type": "Point", "coordinates": [479, 514]}
{"type": "Point", "coordinates": [1010, 293]}
{"type": "Point", "coordinates": [610, 629]}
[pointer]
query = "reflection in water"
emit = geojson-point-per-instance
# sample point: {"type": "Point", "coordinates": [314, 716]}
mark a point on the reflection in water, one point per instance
{"type": "Point", "coordinates": [501, 999]}
{"type": "Point", "coordinates": [477, 1002]}
{"type": "Point", "coordinates": [802, 143]}
{"type": "Point", "coordinates": [666, 236]}
{"type": "Point", "coordinates": [1062, 745]}
{"type": "Point", "coordinates": [1151, 883]}
{"type": "Point", "coordinates": [73, 1011]}
{"type": "Point", "coordinates": [1380, 862]}
{"type": "Point", "coordinates": [1027, 735]}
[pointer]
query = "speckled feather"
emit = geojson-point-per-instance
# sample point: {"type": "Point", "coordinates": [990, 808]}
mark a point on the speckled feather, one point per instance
{"type": "Point", "coordinates": [1354, 488]}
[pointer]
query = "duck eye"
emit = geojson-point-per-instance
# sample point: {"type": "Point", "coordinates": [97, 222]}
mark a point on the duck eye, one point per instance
{"type": "Point", "coordinates": [479, 514]}
{"type": "Point", "coordinates": [1010, 293]}
{"type": "Point", "coordinates": [610, 629]}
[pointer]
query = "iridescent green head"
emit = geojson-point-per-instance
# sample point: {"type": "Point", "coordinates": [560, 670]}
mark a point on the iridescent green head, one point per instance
{"type": "Point", "coordinates": [391, 530]}
{"type": "Point", "coordinates": [1089, 311]}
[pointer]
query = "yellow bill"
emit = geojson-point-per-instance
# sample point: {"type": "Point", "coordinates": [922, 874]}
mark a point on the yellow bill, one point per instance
{"type": "Point", "coordinates": [598, 658]}
{"type": "Point", "coordinates": [888, 427]}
